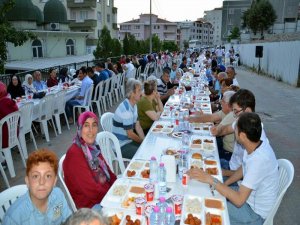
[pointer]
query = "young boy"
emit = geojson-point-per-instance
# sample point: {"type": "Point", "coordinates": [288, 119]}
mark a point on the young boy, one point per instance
{"type": "Point", "coordinates": [43, 203]}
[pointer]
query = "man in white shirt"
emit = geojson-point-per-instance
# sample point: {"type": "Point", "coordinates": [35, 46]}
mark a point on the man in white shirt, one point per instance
{"type": "Point", "coordinates": [251, 202]}
{"type": "Point", "coordinates": [129, 67]}
{"type": "Point", "coordinates": [232, 74]}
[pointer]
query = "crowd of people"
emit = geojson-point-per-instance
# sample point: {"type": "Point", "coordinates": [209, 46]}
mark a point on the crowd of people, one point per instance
{"type": "Point", "coordinates": [249, 165]}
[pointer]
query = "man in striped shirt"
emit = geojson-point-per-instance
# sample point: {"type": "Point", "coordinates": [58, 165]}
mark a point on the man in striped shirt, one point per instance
{"type": "Point", "coordinates": [162, 86]}
{"type": "Point", "coordinates": [126, 125]}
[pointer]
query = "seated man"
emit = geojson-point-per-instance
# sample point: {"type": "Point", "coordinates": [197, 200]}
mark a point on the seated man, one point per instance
{"type": "Point", "coordinates": [129, 68]}
{"type": "Point", "coordinates": [251, 202]}
{"type": "Point", "coordinates": [162, 86]}
{"type": "Point", "coordinates": [183, 64]}
{"type": "Point", "coordinates": [126, 125]}
{"type": "Point", "coordinates": [85, 216]}
{"type": "Point", "coordinates": [78, 100]}
{"type": "Point", "coordinates": [232, 74]}
{"type": "Point", "coordinates": [103, 74]}
{"type": "Point", "coordinates": [43, 203]}
{"type": "Point", "coordinates": [38, 83]}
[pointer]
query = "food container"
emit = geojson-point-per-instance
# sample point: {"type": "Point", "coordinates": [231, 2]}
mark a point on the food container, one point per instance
{"type": "Point", "coordinates": [140, 205]}
{"type": "Point", "coordinates": [149, 188]}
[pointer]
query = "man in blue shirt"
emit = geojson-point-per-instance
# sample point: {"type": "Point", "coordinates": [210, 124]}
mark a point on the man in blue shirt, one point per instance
{"type": "Point", "coordinates": [43, 203]}
{"type": "Point", "coordinates": [103, 74]}
{"type": "Point", "coordinates": [84, 91]}
{"type": "Point", "coordinates": [38, 83]}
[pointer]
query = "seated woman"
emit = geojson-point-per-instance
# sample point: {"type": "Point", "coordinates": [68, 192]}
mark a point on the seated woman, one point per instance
{"type": "Point", "coordinates": [7, 106]}
{"type": "Point", "coordinates": [150, 106]}
{"type": "Point", "coordinates": [15, 88]}
{"type": "Point", "coordinates": [86, 173]}
{"type": "Point", "coordinates": [52, 81]}
{"type": "Point", "coordinates": [28, 84]}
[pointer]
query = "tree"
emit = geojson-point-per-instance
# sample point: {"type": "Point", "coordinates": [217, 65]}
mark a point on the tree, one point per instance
{"type": "Point", "coordinates": [235, 34]}
{"type": "Point", "coordinates": [185, 44]}
{"type": "Point", "coordinates": [126, 44]}
{"type": "Point", "coordinates": [156, 43]}
{"type": "Point", "coordinates": [260, 17]}
{"type": "Point", "coordinates": [103, 49]}
{"type": "Point", "coordinates": [9, 33]}
{"type": "Point", "coordinates": [116, 47]}
{"type": "Point", "coordinates": [169, 45]}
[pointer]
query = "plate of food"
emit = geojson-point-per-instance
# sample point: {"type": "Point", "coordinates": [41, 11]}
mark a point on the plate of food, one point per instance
{"type": "Point", "coordinates": [209, 144]}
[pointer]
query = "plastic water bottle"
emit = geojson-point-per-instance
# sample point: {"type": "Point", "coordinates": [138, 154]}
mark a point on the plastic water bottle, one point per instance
{"type": "Point", "coordinates": [155, 218]}
{"type": "Point", "coordinates": [162, 206]}
{"type": "Point", "coordinates": [153, 170]}
{"type": "Point", "coordinates": [60, 84]}
{"type": "Point", "coordinates": [185, 141]}
{"type": "Point", "coordinates": [169, 218]}
{"type": "Point", "coordinates": [162, 180]}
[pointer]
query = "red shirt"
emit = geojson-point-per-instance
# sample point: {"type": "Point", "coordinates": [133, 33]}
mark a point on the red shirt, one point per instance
{"type": "Point", "coordinates": [85, 191]}
{"type": "Point", "coordinates": [52, 82]}
{"type": "Point", "coordinates": [7, 106]}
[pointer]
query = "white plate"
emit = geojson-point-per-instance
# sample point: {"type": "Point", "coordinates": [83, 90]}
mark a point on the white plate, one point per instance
{"type": "Point", "coordinates": [177, 134]}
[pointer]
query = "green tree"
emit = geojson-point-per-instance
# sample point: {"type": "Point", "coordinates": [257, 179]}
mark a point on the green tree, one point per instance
{"type": "Point", "coordinates": [9, 33]}
{"type": "Point", "coordinates": [126, 44]}
{"type": "Point", "coordinates": [185, 44]}
{"type": "Point", "coordinates": [169, 45]}
{"type": "Point", "coordinates": [235, 34]}
{"type": "Point", "coordinates": [156, 44]}
{"type": "Point", "coordinates": [132, 46]}
{"type": "Point", "coordinates": [116, 47]}
{"type": "Point", "coordinates": [260, 17]}
{"type": "Point", "coordinates": [103, 49]}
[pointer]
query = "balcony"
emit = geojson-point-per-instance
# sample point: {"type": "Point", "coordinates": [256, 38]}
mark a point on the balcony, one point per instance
{"type": "Point", "coordinates": [83, 4]}
{"type": "Point", "coordinates": [115, 26]}
{"type": "Point", "coordinates": [114, 10]}
{"type": "Point", "coordinates": [87, 24]}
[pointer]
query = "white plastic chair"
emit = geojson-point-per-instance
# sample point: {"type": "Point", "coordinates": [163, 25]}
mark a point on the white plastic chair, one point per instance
{"type": "Point", "coordinates": [286, 175]}
{"type": "Point", "coordinates": [26, 111]}
{"type": "Point", "coordinates": [98, 97]}
{"type": "Point", "coordinates": [121, 86]}
{"type": "Point", "coordinates": [106, 85]}
{"type": "Point", "coordinates": [144, 75]}
{"type": "Point", "coordinates": [4, 176]}
{"type": "Point", "coordinates": [86, 102]}
{"type": "Point", "coordinates": [111, 150]}
{"type": "Point", "coordinates": [138, 73]}
{"type": "Point", "coordinates": [45, 114]}
{"type": "Point", "coordinates": [59, 108]}
{"type": "Point", "coordinates": [106, 121]}
{"type": "Point", "coordinates": [12, 121]}
{"type": "Point", "coordinates": [62, 180]}
{"type": "Point", "coordinates": [9, 196]}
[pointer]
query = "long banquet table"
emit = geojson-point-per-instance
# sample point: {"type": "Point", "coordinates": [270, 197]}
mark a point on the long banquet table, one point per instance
{"type": "Point", "coordinates": [155, 144]}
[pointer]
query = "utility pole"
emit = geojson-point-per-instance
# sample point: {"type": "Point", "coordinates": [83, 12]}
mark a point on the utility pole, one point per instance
{"type": "Point", "coordinates": [150, 50]}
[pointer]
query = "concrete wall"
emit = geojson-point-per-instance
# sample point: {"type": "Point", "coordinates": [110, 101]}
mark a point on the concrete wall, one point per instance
{"type": "Point", "coordinates": [281, 60]}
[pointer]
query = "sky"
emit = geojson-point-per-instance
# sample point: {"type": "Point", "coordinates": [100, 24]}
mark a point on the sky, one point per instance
{"type": "Point", "coordinates": [171, 10]}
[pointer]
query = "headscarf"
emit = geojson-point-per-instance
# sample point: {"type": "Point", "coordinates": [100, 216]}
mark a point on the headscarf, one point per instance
{"type": "Point", "coordinates": [92, 152]}
{"type": "Point", "coordinates": [29, 87]}
{"type": "Point", "coordinates": [3, 90]}
{"type": "Point", "coordinates": [15, 91]}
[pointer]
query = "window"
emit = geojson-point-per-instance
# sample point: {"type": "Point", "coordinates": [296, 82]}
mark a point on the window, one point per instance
{"type": "Point", "coordinates": [108, 2]}
{"type": "Point", "coordinates": [137, 35]}
{"type": "Point", "coordinates": [70, 47]}
{"type": "Point", "coordinates": [73, 15]}
{"type": "Point", "coordinates": [136, 27]}
{"type": "Point", "coordinates": [99, 16]}
{"type": "Point", "coordinates": [83, 16]}
{"type": "Point", "coordinates": [78, 1]}
{"type": "Point", "coordinates": [231, 11]}
{"type": "Point", "coordinates": [37, 49]}
{"type": "Point", "coordinates": [108, 18]}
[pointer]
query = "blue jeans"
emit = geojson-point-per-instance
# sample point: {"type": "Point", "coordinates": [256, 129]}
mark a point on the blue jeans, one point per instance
{"type": "Point", "coordinates": [69, 107]}
{"type": "Point", "coordinates": [244, 214]}
{"type": "Point", "coordinates": [224, 164]}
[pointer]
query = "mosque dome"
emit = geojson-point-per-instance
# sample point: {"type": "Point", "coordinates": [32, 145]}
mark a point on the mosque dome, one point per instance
{"type": "Point", "coordinates": [55, 12]}
{"type": "Point", "coordinates": [24, 10]}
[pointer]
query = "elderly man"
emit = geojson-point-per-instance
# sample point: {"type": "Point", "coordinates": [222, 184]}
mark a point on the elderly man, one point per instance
{"type": "Point", "coordinates": [126, 125]}
{"type": "Point", "coordinates": [78, 100]}
{"type": "Point", "coordinates": [38, 83]}
{"type": "Point", "coordinates": [231, 74]}
{"type": "Point", "coordinates": [252, 200]}
{"type": "Point", "coordinates": [163, 84]}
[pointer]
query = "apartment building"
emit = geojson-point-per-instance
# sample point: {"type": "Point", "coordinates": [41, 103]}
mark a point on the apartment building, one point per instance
{"type": "Point", "coordinates": [215, 18]}
{"type": "Point", "coordinates": [140, 28]}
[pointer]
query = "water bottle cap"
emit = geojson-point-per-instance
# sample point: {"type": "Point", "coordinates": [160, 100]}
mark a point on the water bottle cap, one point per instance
{"type": "Point", "coordinates": [156, 209]}
{"type": "Point", "coordinates": [169, 209]}
{"type": "Point", "coordinates": [162, 199]}
{"type": "Point", "coordinates": [153, 158]}
{"type": "Point", "coordinates": [161, 164]}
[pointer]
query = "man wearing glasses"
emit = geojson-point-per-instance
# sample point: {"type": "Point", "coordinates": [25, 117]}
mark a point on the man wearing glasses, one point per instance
{"type": "Point", "coordinates": [242, 101]}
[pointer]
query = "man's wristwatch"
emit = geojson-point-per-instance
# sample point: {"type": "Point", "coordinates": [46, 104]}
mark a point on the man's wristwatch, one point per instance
{"type": "Point", "coordinates": [214, 184]}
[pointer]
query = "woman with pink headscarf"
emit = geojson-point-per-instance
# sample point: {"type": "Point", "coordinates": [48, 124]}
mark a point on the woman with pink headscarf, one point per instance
{"type": "Point", "coordinates": [87, 175]}
{"type": "Point", "coordinates": [7, 106]}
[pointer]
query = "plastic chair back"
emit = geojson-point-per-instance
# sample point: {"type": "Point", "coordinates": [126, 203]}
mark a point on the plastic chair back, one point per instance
{"type": "Point", "coordinates": [107, 121]}
{"type": "Point", "coordinates": [12, 121]}
{"type": "Point", "coordinates": [88, 96]}
{"type": "Point", "coordinates": [60, 102]}
{"type": "Point", "coordinates": [46, 107]}
{"type": "Point", "coordinates": [138, 73]}
{"type": "Point", "coordinates": [62, 180]}
{"type": "Point", "coordinates": [286, 175]}
{"type": "Point", "coordinates": [110, 149]}
{"type": "Point", "coordinates": [26, 111]}
{"type": "Point", "coordinates": [9, 196]}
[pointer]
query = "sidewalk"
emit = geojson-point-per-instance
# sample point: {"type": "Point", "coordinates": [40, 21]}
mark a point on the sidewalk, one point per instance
{"type": "Point", "coordinates": [277, 104]}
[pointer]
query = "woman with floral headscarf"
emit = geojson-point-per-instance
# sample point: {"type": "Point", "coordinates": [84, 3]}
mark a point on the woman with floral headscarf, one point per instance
{"type": "Point", "coordinates": [7, 106]}
{"type": "Point", "coordinates": [28, 84]}
{"type": "Point", "coordinates": [87, 175]}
